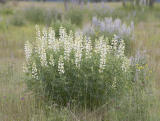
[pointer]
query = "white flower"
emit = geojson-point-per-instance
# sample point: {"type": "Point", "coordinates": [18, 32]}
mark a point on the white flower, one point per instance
{"type": "Point", "coordinates": [28, 50]}
{"type": "Point", "coordinates": [103, 54]}
{"type": "Point", "coordinates": [41, 42]}
{"type": "Point", "coordinates": [51, 38]}
{"type": "Point", "coordinates": [71, 40]}
{"type": "Point", "coordinates": [78, 54]}
{"type": "Point", "coordinates": [88, 48]}
{"type": "Point", "coordinates": [44, 35]}
{"type": "Point", "coordinates": [61, 65]}
{"type": "Point", "coordinates": [125, 64]}
{"type": "Point", "coordinates": [67, 49]}
{"type": "Point", "coordinates": [64, 41]}
{"type": "Point", "coordinates": [40, 48]}
{"type": "Point", "coordinates": [118, 46]}
{"type": "Point", "coordinates": [78, 48]}
{"type": "Point", "coordinates": [62, 34]}
{"type": "Point", "coordinates": [34, 71]}
{"type": "Point", "coordinates": [121, 49]}
{"type": "Point", "coordinates": [53, 43]}
{"type": "Point", "coordinates": [56, 46]}
{"type": "Point", "coordinates": [43, 57]}
{"type": "Point", "coordinates": [51, 60]}
{"type": "Point", "coordinates": [99, 44]}
{"type": "Point", "coordinates": [114, 83]}
{"type": "Point", "coordinates": [38, 33]}
{"type": "Point", "coordinates": [114, 44]}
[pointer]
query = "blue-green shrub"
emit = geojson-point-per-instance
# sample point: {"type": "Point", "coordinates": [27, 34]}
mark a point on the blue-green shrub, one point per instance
{"type": "Point", "coordinates": [71, 69]}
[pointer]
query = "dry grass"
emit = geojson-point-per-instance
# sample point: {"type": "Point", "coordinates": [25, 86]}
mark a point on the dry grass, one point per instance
{"type": "Point", "coordinates": [148, 38]}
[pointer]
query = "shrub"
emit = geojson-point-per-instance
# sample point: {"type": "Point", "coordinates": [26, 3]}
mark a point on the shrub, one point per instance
{"type": "Point", "coordinates": [42, 15]}
{"type": "Point", "coordinates": [108, 28]}
{"type": "Point", "coordinates": [71, 69]}
{"type": "Point", "coordinates": [35, 14]}
{"type": "Point", "coordinates": [6, 10]}
{"type": "Point", "coordinates": [17, 20]}
{"type": "Point", "coordinates": [75, 16]}
{"type": "Point", "coordinates": [52, 15]}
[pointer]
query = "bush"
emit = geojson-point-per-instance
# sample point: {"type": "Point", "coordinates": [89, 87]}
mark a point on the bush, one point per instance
{"type": "Point", "coordinates": [6, 10]}
{"type": "Point", "coordinates": [108, 28]}
{"type": "Point", "coordinates": [42, 15]}
{"type": "Point", "coordinates": [72, 70]}
{"type": "Point", "coordinates": [52, 15]}
{"type": "Point", "coordinates": [75, 16]}
{"type": "Point", "coordinates": [35, 14]}
{"type": "Point", "coordinates": [17, 20]}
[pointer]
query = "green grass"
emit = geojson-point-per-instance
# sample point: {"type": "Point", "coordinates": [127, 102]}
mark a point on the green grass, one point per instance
{"type": "Point", "coordinates": [17, 104]}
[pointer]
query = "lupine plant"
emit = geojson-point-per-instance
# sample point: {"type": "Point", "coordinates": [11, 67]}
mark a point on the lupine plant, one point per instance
{"type": "Point", "coordinates": [109, 27]}
{"type": "Point", "coordinates": [71, 69]}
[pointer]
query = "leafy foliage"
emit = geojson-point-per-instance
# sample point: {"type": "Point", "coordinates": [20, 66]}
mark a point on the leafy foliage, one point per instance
{"type": "Point", "coordinates": [72, 69]}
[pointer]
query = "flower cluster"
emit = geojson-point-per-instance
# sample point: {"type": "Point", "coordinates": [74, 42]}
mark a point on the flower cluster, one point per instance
{"type": "Point", "coordinates": [110, 26]}
{"type": "Point", "coordinates": [79, 45]}
{"type": "Point", "coordinates": [28, 50]}
{"type": "Point", "coordinates": [61, 65]}
{"type": "Point", "coordinates": [34, 71]}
